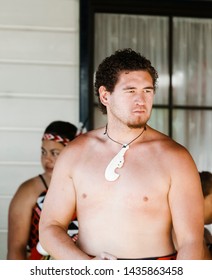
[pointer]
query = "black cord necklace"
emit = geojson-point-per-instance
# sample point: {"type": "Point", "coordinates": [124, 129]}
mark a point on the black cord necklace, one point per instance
{"type": "Point", "coordinates": [123, 145]}
{"type": "Point", "coordinates": [118, 160]}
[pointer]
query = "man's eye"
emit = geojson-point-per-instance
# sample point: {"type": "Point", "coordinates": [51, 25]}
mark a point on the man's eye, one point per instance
{"type": "Point", "coordinates": [148, 90]}
{"type": "Point", "coordinates": [130, 91]}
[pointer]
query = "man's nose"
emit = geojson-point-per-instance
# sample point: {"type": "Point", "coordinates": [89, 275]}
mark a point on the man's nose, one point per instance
{"type": "Point", "coordinates": [140, 99]}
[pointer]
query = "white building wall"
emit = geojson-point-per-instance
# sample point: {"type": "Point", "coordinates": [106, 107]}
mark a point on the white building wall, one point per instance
{"type": "Point", "coordinates": [39, 83]}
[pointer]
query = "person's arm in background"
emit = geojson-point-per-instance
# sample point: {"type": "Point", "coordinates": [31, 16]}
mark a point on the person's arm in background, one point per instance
{"type": "Point", "coordinates": [19, 219]}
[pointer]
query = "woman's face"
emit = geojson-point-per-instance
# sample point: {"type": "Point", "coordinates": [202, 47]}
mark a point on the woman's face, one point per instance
{"type": "Point", "coordinates": [50, 151]}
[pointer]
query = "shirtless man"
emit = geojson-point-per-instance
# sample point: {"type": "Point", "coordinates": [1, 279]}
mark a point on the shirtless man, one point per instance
{"type": "Point", "coordinates": [130, 184]}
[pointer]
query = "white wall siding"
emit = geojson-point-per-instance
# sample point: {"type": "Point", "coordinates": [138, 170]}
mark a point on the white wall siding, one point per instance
{"type": "Point", "coordinates": [39, 70]}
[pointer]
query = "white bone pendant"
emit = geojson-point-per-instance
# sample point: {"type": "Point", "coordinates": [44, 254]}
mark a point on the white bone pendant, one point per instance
{"type": "Point", "coordinates": [116, 162]}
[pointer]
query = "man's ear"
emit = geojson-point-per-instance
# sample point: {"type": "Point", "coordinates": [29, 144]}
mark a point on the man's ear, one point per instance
{"type": "Point", "coordinates": [103, 95]}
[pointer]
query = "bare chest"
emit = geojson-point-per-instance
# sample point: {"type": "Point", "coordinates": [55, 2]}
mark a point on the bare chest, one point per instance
{"type": "Point", "coordinates": [140, 186]}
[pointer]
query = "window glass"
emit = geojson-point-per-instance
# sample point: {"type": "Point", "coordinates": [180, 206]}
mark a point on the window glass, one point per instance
{"type": "Point", "coordinates": [159, 120]}
{"type": "Point", "coordinates": [193, 129]}
{"type": "Point", "coordinates": [192, 61]}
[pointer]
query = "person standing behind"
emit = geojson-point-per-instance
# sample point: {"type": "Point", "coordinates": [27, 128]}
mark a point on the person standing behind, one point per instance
{"type": "Point", "coordinates": [129, 183]}
{"type": "Point", "coordinates": [206, 181]}
{"type": "Point", "coordinates": [26, 205]}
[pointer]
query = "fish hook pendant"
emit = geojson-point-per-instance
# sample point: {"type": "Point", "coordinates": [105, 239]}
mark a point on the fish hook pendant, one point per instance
{"type": "Point", "coordinates": [116, 162]}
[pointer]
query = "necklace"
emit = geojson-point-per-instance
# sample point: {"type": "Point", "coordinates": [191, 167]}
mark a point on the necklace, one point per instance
{"type": "Point", "coordinates": [118, 160]}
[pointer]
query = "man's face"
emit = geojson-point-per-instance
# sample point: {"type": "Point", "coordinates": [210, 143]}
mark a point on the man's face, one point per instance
{"type": "Point", "coordinates": [132, 98]}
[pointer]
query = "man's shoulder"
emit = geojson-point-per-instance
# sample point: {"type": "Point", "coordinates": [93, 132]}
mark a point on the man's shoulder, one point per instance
{"type": "Point", "coordinates": [163, 139]}
{"type": "Point", "coordinates": [82, 145]}
{"type": "Point", "coordinates": [85, 139]}
{"type": "Point", "coordinates": [166, 147]}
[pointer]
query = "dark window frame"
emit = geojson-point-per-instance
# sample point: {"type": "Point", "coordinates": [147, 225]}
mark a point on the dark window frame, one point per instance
{"type": "Point", "coordinates": [88, 8]}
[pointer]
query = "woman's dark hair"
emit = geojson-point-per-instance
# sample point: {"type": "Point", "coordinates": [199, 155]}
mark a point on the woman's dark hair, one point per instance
{"type": "Point", "coordinates": [108, 71]}
{"type": "Point", "coordinates": [63, 129]}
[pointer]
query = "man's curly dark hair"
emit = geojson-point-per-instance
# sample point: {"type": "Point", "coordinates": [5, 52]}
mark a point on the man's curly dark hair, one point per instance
{"type": "Point", "coordinates": [108, 71]}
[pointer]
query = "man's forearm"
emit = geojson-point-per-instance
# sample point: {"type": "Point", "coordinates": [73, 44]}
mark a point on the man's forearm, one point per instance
{"type": "Point", "coordinates": [192, 251]}
{"type": "Point", "coordinates": [59, 245]}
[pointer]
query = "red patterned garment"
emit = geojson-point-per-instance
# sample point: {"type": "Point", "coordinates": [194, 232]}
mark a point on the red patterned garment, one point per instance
{"type": "Point", "coordinates": [34, 231]}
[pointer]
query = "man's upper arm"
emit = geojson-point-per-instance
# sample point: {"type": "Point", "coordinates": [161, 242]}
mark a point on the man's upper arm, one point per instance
{"type": "Point", "coordinates": [186, 199]}
{"type": "Point", "coordinates": [59, 205]}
